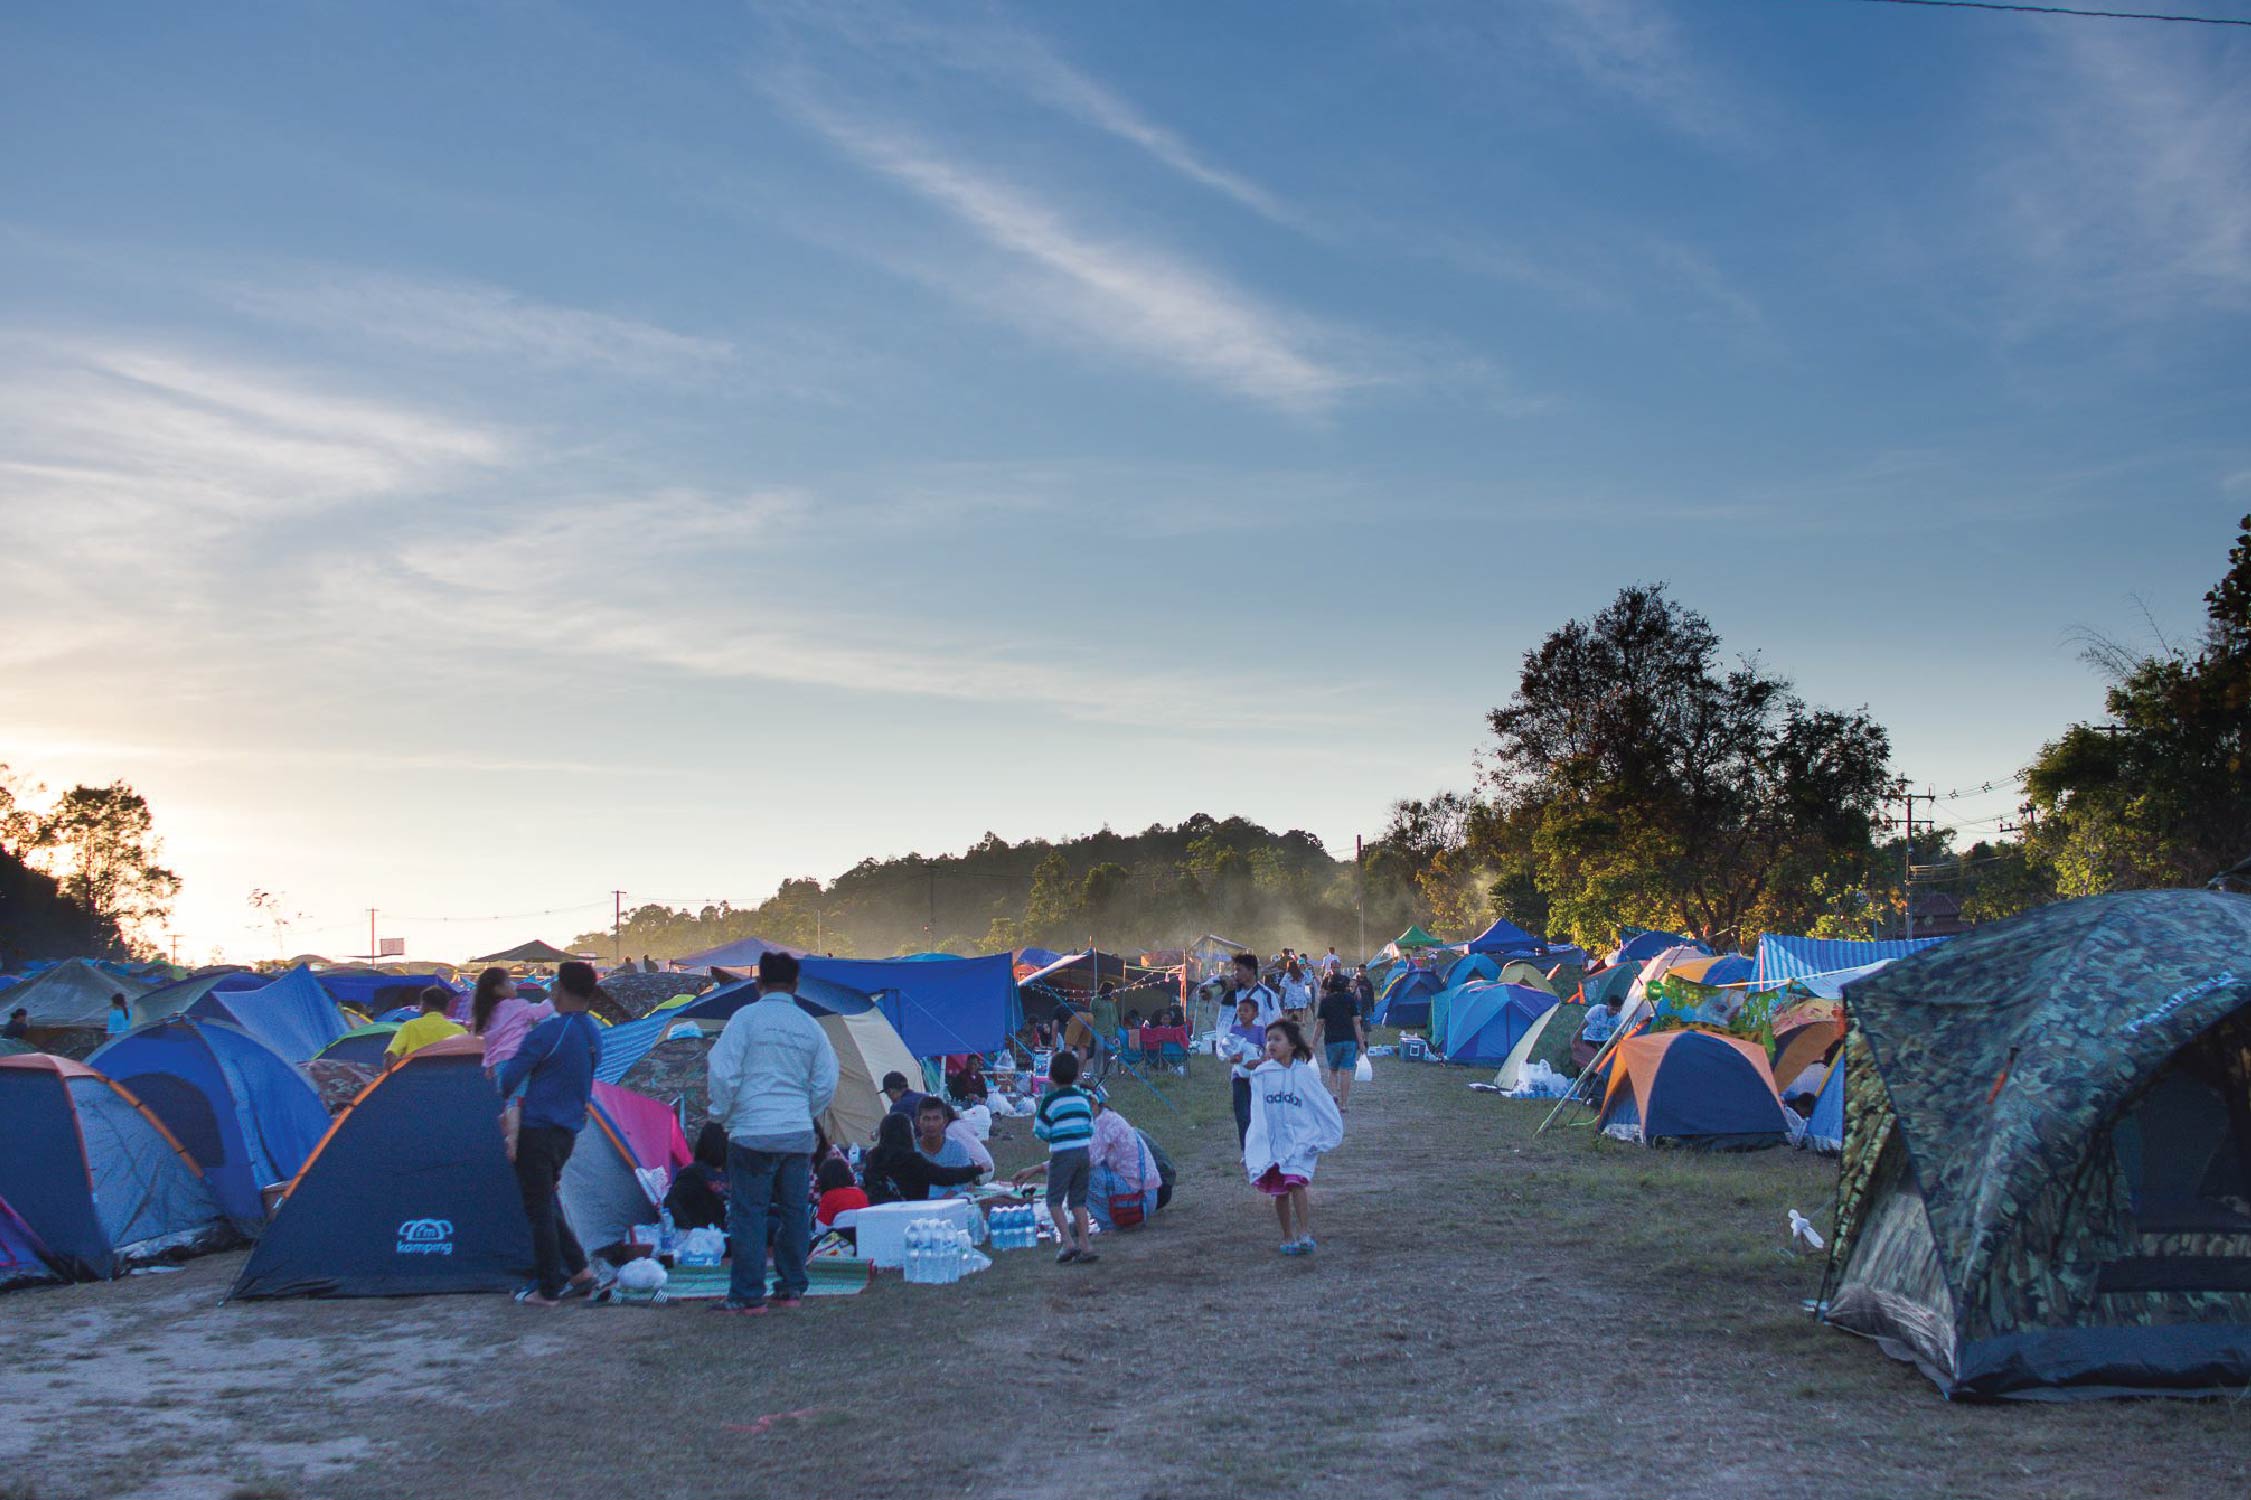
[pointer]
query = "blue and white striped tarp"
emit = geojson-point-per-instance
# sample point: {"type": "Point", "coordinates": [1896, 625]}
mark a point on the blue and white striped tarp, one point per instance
{"type": "Point", "coordinates": [1784, 958]}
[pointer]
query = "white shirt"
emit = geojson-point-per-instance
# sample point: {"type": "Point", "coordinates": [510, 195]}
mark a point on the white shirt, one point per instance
{"type": "Point", "coordinates": [1269, 1005]}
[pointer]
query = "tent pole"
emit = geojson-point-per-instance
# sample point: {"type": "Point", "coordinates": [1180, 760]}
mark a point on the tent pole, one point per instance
{"type": "Point", "coordinates": [1588, 1071]}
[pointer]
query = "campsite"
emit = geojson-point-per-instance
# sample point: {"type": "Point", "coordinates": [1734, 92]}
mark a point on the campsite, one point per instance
{"type": "Point", "coordinates": [1551, 1315]}
{"type": "Point", "coordinates": [873, 749]}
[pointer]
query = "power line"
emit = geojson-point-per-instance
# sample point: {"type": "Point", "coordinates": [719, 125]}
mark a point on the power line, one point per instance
{"type": "Point", "coordinates": [2066, 10]}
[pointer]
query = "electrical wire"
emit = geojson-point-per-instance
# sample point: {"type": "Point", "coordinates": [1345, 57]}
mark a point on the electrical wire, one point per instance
{"type": "Point", "coordinates": [2066, 10]}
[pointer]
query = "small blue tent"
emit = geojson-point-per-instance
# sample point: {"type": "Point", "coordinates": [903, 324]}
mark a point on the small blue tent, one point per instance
{"type": "Point", "coordinates": [412, 1192]}
{"type": "Point", "coordinates": [23, 1260]}
{"type": "Point", "coordinates": [941, 1007]}
{"type": "Point", "coordinates": [294, 1015]}
{"type": "Point", "coordinates": [1825, 1128]}
{"type": "Point", "coordinates": [370, 992]}
{"type": "Point", "coordinates": [1487, 1021]}
{"type": "Point", "coordinates": [1506, 938]}
{"type": "Point", "coordinates": [98, 1179]}
{"type": "Point", "coordinates": [244, 1114]}
{"type": "Point", "coordinates": [1731, 968]}
{"type": "Point", "coordinates": [1644, 946]}
{"type": "Point", "coordinates": [1692, 1088]}
{"type": "Point", "coordinates": [1472, 965]}
{"type": "Point", "coordinates": [1406, 1000]}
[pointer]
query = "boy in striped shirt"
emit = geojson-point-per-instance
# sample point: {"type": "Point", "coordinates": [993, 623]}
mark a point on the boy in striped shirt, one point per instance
{"type": "Point", "coordinates": [1066, 1122]}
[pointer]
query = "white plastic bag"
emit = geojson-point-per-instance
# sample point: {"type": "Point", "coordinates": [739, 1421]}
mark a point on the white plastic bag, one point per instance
{"type": "Point", "coordinates": [1361, 1072]}
{"type": "Point", "coordinates": [702, 1247]}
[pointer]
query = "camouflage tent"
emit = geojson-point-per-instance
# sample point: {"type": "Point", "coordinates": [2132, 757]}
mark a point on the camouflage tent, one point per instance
{"type": "Point", "coordinates": [2046, 1184]}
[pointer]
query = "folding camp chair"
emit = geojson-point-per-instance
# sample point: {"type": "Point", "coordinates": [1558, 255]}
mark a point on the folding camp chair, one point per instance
{"type": "Point", "coordinates": [1175, 1056]}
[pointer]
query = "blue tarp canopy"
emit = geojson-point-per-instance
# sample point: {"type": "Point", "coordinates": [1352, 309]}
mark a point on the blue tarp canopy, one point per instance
{"type": "Point", "coordinates": [1784, 958]}
{"type": "Point", "coordinates": [294, 1015]}
{"type": "Point", "coordinates": [940, 1007]}
{"type": "Point", "coordinates": [1037, 957]}
{"type": "Point", "coordinates": [1732, 968]}
{"type": "Point", "coordinates": [1505, 936]}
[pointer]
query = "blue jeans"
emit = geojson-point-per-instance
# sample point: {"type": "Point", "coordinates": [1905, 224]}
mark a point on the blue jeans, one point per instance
{"type": "Point", "coordinates": [757, 1181]}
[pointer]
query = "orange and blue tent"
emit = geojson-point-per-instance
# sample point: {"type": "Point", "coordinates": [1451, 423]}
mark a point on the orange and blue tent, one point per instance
{"type": "Point", "coordinates": [97, 1177]}
{"type": "Point", "coordinates": [1693, 1088]}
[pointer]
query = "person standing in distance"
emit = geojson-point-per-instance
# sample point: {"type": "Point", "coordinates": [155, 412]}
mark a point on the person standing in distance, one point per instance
{"type": "Point", "coordinates": [772, 1074]}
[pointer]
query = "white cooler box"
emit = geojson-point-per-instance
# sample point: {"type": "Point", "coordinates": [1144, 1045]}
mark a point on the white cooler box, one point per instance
{"type": "Point", "coordinates": [882, 1229]}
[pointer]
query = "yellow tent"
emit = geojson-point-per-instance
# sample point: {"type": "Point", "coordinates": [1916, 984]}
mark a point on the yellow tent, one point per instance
{"type": "Point", "coordinates": [867, 1047]}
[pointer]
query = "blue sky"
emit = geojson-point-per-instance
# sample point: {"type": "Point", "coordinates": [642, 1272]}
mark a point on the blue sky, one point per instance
{"type": "Point", "coordinates": [461, 460]}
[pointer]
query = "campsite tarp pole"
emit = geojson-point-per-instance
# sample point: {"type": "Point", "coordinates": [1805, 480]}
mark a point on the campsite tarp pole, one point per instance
{"type": "Point", "coordinates": [1588, 1071]}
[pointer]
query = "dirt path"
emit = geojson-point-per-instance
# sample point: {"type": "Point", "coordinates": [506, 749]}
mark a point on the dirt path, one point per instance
{"type": "Point", "coordinates": [1490, 1313]}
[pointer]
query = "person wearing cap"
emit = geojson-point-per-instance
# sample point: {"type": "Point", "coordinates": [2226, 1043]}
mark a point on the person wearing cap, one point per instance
{"type": "Point", "coordinates": [772, 1074]}
{"type": "Point", "coordinates": [904, 1100]}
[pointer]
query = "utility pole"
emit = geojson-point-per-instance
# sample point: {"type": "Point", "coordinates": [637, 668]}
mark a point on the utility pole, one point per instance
{"type": "Point", "coordinates": [1907, 853]}
{"type": "Point", "coordinates": [1360, 892]}
{"type": "Point", "coordinates": [372, 954]}
{"type": "Point", "coordinates": [617, 929]}
{"type": "Point", "coordinates": [930, 927]}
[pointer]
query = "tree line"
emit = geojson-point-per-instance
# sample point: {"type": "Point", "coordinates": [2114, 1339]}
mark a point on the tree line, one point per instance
{"type": "Point", "coordinates": [1637, 775]}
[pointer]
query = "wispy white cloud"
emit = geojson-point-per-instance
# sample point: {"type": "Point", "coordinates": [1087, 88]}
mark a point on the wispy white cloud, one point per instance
{"type": "Point", "coordinates": [2130, 191]}
{"type": "Point", "coordinates": [469, 318]}
{"type": "Point", "coordinates": [1014, 58]}
{"type": "Point", "coordinates": [1105, 290]}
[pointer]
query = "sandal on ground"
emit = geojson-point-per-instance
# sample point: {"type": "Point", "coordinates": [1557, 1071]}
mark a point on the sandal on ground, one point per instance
{"type": "Point", "coordinates": [1065, 1257]}
{"type": "Point", "coordinates": [739, 1309]}
{"type": "Point", "coordinates": [530, 1297]}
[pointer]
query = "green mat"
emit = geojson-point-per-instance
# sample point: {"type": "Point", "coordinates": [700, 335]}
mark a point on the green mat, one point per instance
{"type": "Point", "coordinates": [826, 1276]}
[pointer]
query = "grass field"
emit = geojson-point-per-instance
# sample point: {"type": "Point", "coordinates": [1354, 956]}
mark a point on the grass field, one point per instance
{"type": "Point", "coordinates": [1491, 1313]}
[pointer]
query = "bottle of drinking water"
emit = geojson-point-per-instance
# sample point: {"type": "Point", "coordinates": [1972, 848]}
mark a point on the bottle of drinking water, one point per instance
{"type": "Point", "coordinates": [915, 1254]}
{"type": "Point", "coordinates": [667, 1238]}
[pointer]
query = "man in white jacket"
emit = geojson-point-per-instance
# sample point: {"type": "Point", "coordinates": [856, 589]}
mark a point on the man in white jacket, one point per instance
{"type": "Point", "coordinates": [772, 1074]}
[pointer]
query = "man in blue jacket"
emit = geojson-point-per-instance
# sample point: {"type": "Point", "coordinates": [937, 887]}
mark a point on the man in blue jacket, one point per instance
{"type": "Point", "coordinates": [555, 1069]}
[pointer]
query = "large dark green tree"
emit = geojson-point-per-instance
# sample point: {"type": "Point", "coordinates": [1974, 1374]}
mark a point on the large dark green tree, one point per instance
{"type": "Point", "coordinates": [1668, 789]}
{"type": "Point", "coordinates": [2160, 794]}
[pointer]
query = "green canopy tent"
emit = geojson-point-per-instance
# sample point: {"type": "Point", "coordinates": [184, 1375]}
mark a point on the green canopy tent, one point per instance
{"type": "Point", "coordinates": [1414, 938]}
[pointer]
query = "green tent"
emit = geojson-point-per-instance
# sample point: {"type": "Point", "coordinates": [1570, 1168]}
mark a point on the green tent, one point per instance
{"type": "Point", "coordinates": [1413, 938]}
{"type": "Point", "coordinates": [2046, 1182]}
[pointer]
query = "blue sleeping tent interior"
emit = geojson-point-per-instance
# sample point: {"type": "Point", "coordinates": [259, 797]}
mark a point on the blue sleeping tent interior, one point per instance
{"type": "Point", "coordinates": [238, 1108]}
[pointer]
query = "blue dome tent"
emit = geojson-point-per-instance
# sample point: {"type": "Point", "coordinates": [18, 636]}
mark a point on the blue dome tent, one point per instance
{"type": "Point", "coordinates": [243, 1113]}
{"type": "Point", "coordinates": [97, 1178]}
{"type": "Point", "coordinates": [1487, 1021]}
{"type": "Point", "coordinates": [1406, 1000]}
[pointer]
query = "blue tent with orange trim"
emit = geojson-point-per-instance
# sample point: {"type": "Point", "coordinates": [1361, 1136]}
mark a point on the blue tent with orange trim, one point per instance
{"type": "Point", "coordinates": [98, 1178]}
{"type": "Point", "coordinates": [239, 1109]}
{"type": "Point", "coordinates": [412, 1192]}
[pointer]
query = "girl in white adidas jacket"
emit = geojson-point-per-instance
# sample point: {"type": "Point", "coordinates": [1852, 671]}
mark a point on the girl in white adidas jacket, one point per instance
{"type": "Point", "coordinates": [1293, 1121]}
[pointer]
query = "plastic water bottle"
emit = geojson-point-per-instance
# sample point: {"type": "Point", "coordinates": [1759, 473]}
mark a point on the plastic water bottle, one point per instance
{"type": "Point", "coordinates": [666, 1237]}
{"type": "Point", "coordinates": [912, 1256]}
